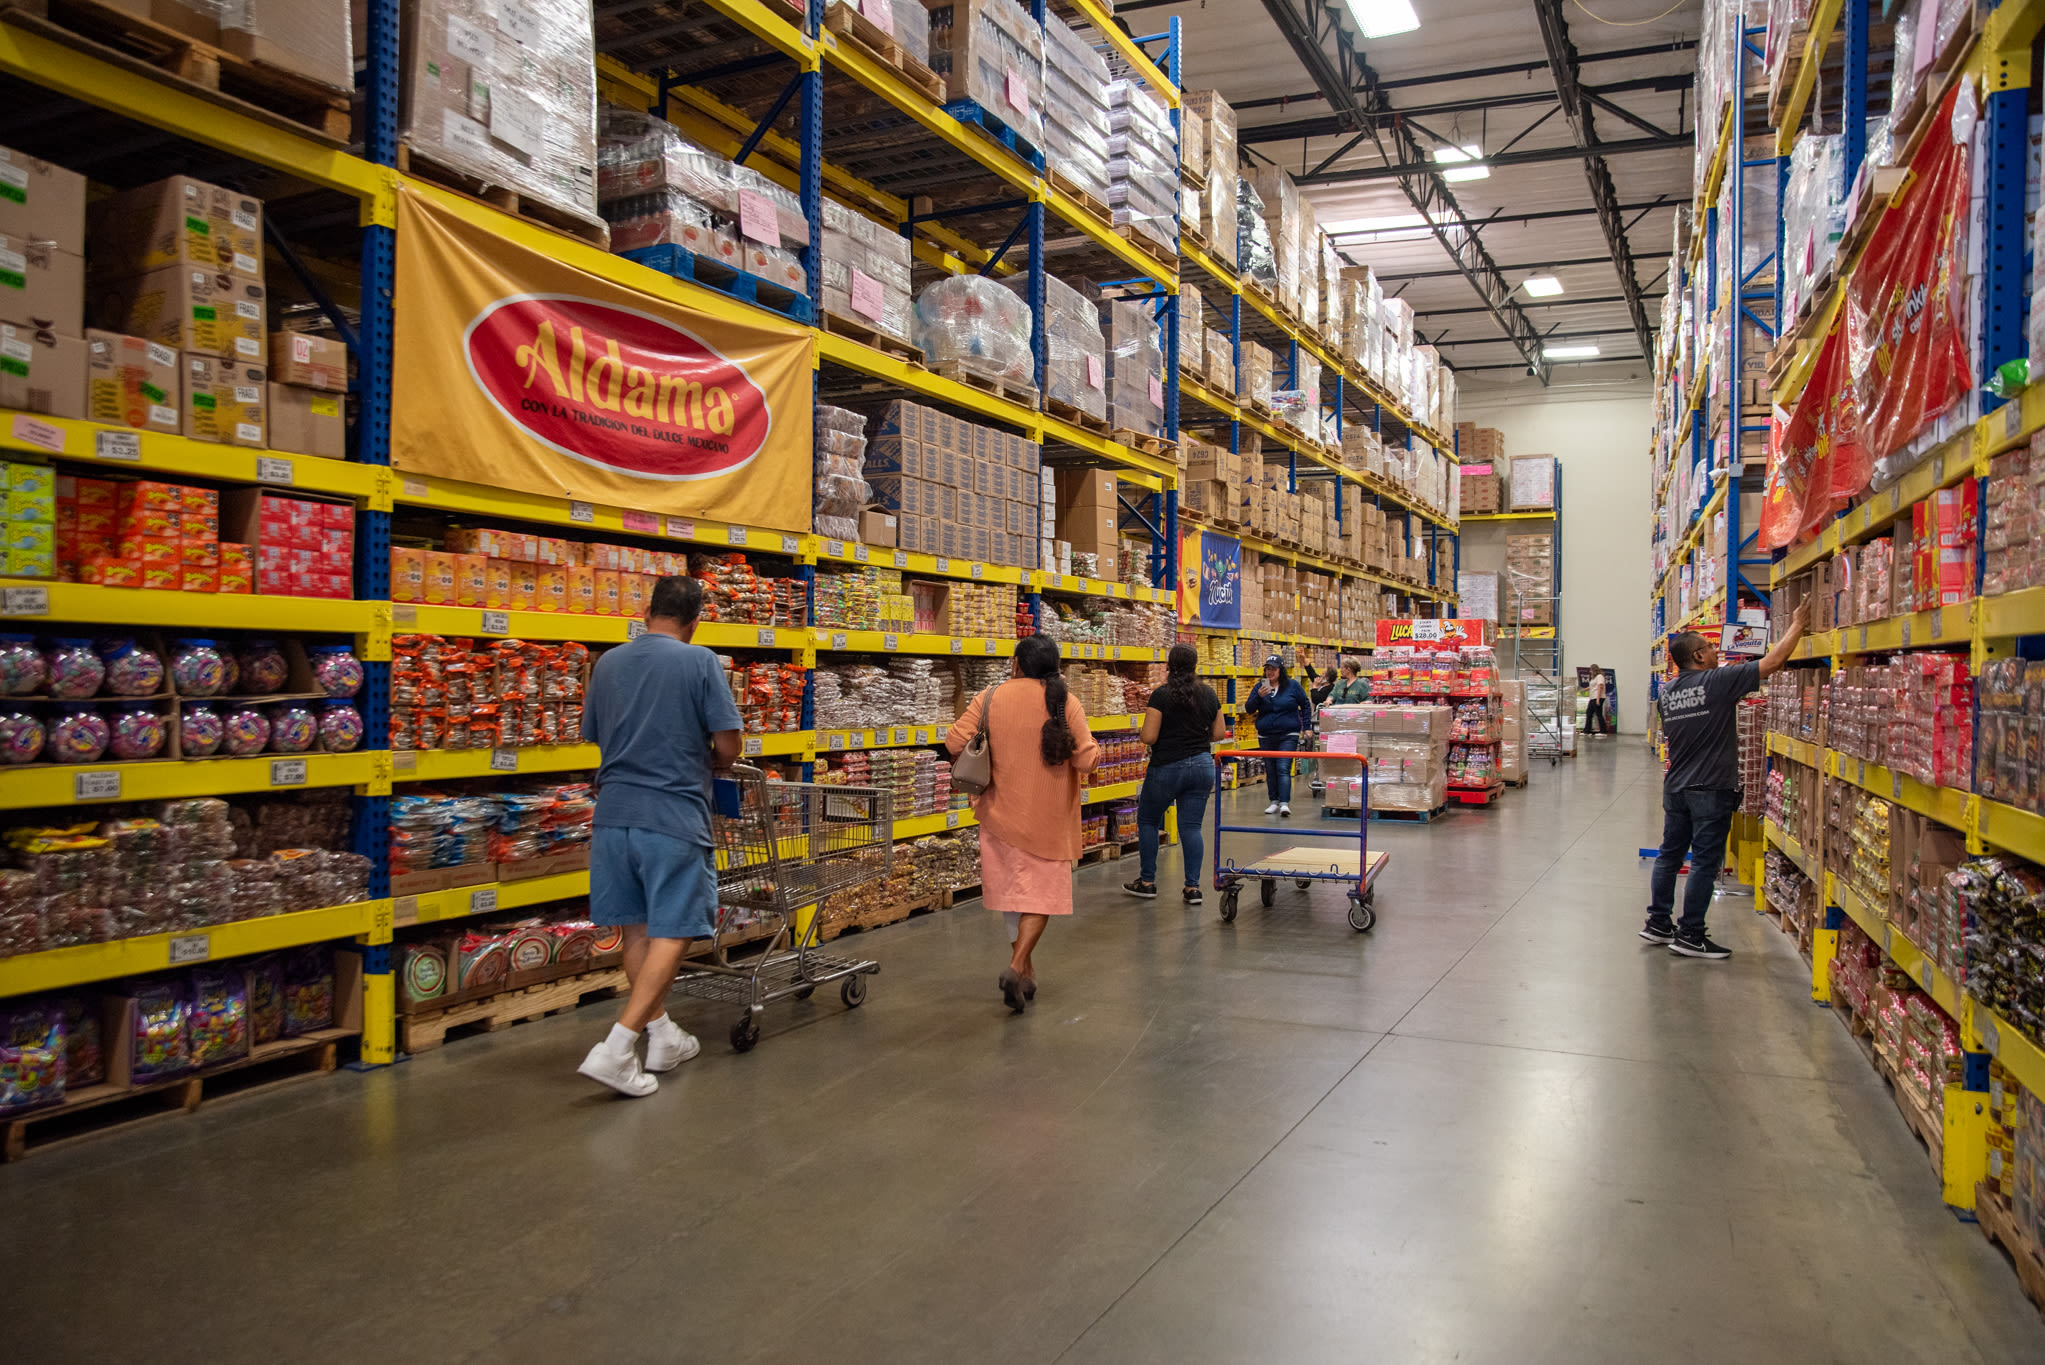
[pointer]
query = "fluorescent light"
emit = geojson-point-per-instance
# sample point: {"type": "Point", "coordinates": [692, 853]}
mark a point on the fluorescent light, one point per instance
{"type": "Point", "coordinates": [1569, 352]}
{"type": "Point", "coordinates": [1469, 153]}
{"type": "Point", "coordinates": [1383, 18]}
{"type": "Point", "coordinates": [1541, 286]}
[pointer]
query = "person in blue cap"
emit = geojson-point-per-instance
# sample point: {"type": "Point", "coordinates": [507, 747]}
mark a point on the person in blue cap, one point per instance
{"type": "Point", "coordinates": [1281, 709]}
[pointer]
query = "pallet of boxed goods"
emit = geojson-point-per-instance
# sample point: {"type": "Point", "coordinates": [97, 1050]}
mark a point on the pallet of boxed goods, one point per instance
{"type": "Point", "coordinates": [861, 28]}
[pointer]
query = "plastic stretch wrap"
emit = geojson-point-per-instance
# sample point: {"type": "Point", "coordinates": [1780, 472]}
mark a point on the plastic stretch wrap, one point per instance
{"type": "Point", "coordinates": [841, 488]}
{"type": "Point", "coordinates": [1143, 169]}
{"type": "Point", "coordinates": [309, 38]}
{"type": "Point", "coordinates": [1135, 368]}
{"type": "Point", "coordinates": [1075, 369]}
{"type": "Point", "coordinates": [1253, 238]}
{"type": "Point", "coordinates": [973, 322]}
{"type": "Point", "coordinates": [1075, 108]}
{"type": "Point", "coordinates": [1278, 200]}
{"type": "Point", "coordinates": [859, 252]}
{"type": "Point", "coordinates": [507, 94]}
{"type": "Point", "coordinates": [992, 52]}
{"type": "Point", "coordinates": [1219, 202]}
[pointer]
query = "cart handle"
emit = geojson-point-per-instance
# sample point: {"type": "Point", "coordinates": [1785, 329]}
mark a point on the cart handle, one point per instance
{"type": "Point", "coordinates": [1278, 753]}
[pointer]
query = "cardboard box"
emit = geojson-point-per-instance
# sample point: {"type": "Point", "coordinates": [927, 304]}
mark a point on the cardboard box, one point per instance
{"type": "Point", "coordinates": [130, 382]}
{"type": "Point", "coordinates": [1086, 490]}
{"type": "Point", "coordinates": [224, 402]}
{"type": "Point", "coordinates": [878, 526]}
{"type": "Point", "coordinates": [187, 310]}
{"type": "Point", "coordinates": [41, 202]}
{"type": "Point", "coordinates": [307, 421]}
{"type": "Point", "coordinates": [309, 38]}
{"type": "Point", "coordinates": [308, 362]}
{"type": "Point", "coordinates": [178, 221]}
{"type": "Point", "coordinates": [1480, 489]}
{"type": "Point", "coordinates": [41, 371]}
{"type": "Point", "coordinates": [1533, 483]}
{"type": "Point", "coordinates": [41, 286]}
{"type": "Point", "coordinates": [193, 18]}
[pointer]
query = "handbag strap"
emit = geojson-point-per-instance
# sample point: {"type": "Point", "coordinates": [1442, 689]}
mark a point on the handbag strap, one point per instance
{"type": "Point", "coordinates": [986, 706]}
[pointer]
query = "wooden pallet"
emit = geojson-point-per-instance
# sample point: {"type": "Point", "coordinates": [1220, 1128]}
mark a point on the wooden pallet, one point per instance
{"type": "Point", "coordinates": [93, 1109]}
{"type": "Point", "coordinates": [1085, 198]}
{"type": "Point", "coordinates": [1079, 417]}
{"type": "Point", "coordinates": [862, 33]}
{"type": "Point", "coordinates": [1251, 285]}
{"type": "Point", "coordinates": [1157, 446]}
{"type": "Point", "coordinates": [877, 917]}
{"type": "Point", "coordinates": [858, 331]}
{"type": "Point", "coordinates": [1999, 1224]}
{"type": "Point", "coordinates": [957, 894]}
{"type": "Point", "coordinates": [1192, 180]}
{"type": "Point", "coordinates": [1025, 394]}
{"type": "Point", "coordinates": [1410, 817]}
{"type": "Point", "coordinates": [422, 1033]}
{"type": "Point", "coordinates": [1163, 255]}
{"type": "Point", "coordinates": [422, 164]}
{"type": "Point", "coordinates": [1192, 237]}
{"type": "Point", "coordinates": [159, 52]}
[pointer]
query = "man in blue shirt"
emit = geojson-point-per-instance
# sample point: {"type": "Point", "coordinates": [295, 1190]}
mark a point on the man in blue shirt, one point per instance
{"type": "Point", "coordinates": [662, 713]}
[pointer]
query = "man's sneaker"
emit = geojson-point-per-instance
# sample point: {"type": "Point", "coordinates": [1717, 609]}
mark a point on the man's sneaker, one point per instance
{"type": "Point", "coordinates": [1271, 809]}
{"type": "Point", "coordinates": [1699, 947]}
{"type": "Point", "coordinates": [1285, 808]}
{"type": "Point", "coordinates": [668, 1046]}
{"type": "Point", "coordinates": [1192, 895]}
{"type": "Point", "coordinates": [622, 1073]}
{"type": "Point", "coordinates": [1654, 933]}
{"type": "Point", "coordinates": [1139, 887]}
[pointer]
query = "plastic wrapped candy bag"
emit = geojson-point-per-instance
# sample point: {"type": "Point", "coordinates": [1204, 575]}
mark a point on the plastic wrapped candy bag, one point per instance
{"type": "Point", "coordinates": [163, 1008]}
{"type": "Point", "coordinates": [308, 990]}
{"type": "Point", "coordinates": [31, 1058]}
{"type": "Point", "coordinates": [218, 1029]}
{"type": "Point", "coordinates": [266, 997]}
{"type": "Point", "coordinates": [973, 322]}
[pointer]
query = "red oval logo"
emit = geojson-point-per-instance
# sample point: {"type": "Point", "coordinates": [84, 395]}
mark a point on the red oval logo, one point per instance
{"type": "Point", "coordinates": [616, 388]}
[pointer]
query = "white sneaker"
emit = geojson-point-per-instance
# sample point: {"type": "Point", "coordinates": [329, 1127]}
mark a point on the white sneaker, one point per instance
{"type": "Point", "coordinates": [623, 1074]}
{"type": "Point", "coordinates": [668, 1045]}
{"type": "Point", "coordinates": [1271, 809]}
{"type": "Point", "coordinates": [1285, 809]}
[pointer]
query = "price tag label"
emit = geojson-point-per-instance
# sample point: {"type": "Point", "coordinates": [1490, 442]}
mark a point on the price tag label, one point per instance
{"type": "Point", "coordinates": [866, 296]}
{"type": "Point", "coordinates": [978, 571]}
{"type": "Point", "coordinates": [943, 564]}
{"type": "Point", "coordinates": [1860, 772]}
{"type": "Point", "coordinates": [881, 14]}
{"type": "Point", "coordinates": [496, 623]}
{"type": "Point", "coordinates": [958, 646]}
{"type": "Point", "coordinates": [504, 760]}
{"type": "Point", "coordinates": [753, 746]}
{"type": "Point", "coordinates": [1938, 470]}
{"type": "Point", "coordinates": [645, 523]}
{"type": "Point", "coordinates": [859, 554]}
{"type": "Point", "coordinates": [764, 637]}
{"type": "Point", "coordinates": [271, 469]}
{"type": "Point", "coordinates": [1938, 627]}
{"type": "Point", "coordinates": [1906, 632]}
{"type": "Point", "coordinates": [583, 513]}
{"type": "Point", "coordinates": [1116, 653]}
{"type": "Point", "coordinates": [190, 948]}
{"type": "Point", "coordinates": [634, 629]}
{"type": "Point", "coordinates": [1863, 637]}
{"type": "Point", "coordinates": [414, 488]}
{"type": "Point", "coordinates": [483, 900]}
{"type": "Point", "coordinates": [923, 736]}
{"type": "Point", "coordinates": [32, 432]}
{"type": "Point", "coordinates": [837, 740]}
{"type": "Point", "coordinates": [2012, 420]}
{"type": "Point", "coordinates": [758, 220]}
{"type": "Point", "coordinates": [889, 642]}
{"type": "Point", "coordinates": [1924, 974]}
{"type": "Point", "coordinates": [987, 647]}
{"type": "Point", "coordinates": [287, 772]}
{"type": "Point", "coordinates": [103, 786]}
{"type": "Point", "coordinates": [1990, 1034]}
{"type": "Point", "coordinates": [735, 535]}
{"type": "Point", "coordinates": [24, 601]}
{"type": "Point", "coordinates": [1895, 786]}
{"type": "Point", "coordinates": [901, 559]}
{"type": "Point", "coordinates": [838, 640]}
{"type": "Point", "coordinates": [790, 545]}
{"type": "Point", "coordinates": [835, 548]}
{"type": "Point", "coordinates": [901, 735]}
{"type": "Point", "coordinates": [951, 819]}
{"type": "Point", "coordinates": [125, 446]}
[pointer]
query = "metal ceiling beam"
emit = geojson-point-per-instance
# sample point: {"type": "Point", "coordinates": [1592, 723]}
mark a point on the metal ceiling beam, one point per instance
{"type": "Point", "coordinates": [1584, 360]}
{"type": "Point", "coordinates": [1533, 157]}
{"type": "Point", "coordinates": [1576, 107]}
{"type": "Point", "coordinates": [1605, 299]}
{"type": "Point", "coordinates": [1377, 238]}
{"type": "Point", "coordinates": [1328, 125]}
{"type": "Point", "coordinates": [1678, 45]}
{"type": "Point", "coordinates": [1312, 28]}
{"type": "Point", "coordinates": [1500, 341]}
{"type": "Point", "coordinates": [1531, 265]}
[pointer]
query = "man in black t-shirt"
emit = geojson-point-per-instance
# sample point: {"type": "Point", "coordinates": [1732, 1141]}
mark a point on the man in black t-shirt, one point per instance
{"type": "Point", "coordinates": [1701, 793]}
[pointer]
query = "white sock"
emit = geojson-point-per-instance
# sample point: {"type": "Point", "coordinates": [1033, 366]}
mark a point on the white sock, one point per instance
{"type": "Point", "coordinates": [1012, 921]}
{"type": "Point", "coordinates": [621, 1039]}
{"type": "Point", "coordinates": [663, 1023]}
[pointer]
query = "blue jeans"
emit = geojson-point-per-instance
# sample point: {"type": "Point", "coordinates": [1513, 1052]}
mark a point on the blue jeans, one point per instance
{"type": "Point", "coordinates": [1278, 772]}
{"type": "Point", "coordinates": [1186, 784]}
{"type": "Point", "coordinates": [1695, 821]}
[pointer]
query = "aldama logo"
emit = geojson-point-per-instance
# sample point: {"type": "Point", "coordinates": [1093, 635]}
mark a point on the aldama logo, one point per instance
{"type": "Point", "coordinates": [617, 389]}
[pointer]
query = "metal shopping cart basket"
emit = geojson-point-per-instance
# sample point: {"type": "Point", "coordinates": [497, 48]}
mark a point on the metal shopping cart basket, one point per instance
{"type": "Point", "coordinates": [782, 847]}
{"type": "Point", "coordinates": [1305, 864]}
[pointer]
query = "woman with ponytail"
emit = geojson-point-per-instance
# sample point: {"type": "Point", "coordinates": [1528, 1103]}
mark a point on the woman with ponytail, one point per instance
{"type": "Point", "coordinates": [1181, 721]}
{"type": "Point", "coordinates": [1029, 817]}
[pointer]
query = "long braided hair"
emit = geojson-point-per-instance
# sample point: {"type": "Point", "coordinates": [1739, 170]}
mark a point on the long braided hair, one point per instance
{"type": "Point", "coordinates": [1037, 657]}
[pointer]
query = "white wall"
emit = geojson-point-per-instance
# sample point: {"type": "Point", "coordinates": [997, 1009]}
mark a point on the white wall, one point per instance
{"type": "Point", "coordinates": [1599, 432]}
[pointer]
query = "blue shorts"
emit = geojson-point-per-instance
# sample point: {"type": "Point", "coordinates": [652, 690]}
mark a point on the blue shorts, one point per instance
{"type": "Point", "coordinates": [641, 876]}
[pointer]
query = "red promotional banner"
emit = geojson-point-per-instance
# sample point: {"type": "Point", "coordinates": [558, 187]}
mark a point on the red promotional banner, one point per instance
{"type": "Point", "coordinates": [1904, 304]}
{"type": "Point", "coordinates": [1820, 460]}
{"type": "Point", "coordinates": [1453, 633]}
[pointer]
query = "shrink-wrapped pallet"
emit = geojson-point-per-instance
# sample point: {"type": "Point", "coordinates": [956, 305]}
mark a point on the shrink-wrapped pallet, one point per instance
{"type": "Point", "coordinates": [992, 52]}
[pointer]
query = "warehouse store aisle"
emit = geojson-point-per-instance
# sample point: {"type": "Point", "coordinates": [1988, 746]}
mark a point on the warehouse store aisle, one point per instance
{"type": "Point", "coordinates": [1497, 1128]}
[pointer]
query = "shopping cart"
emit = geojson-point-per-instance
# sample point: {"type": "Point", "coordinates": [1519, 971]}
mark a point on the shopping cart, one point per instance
{"type": "Point", "coordinates": [1305, 864]}
{"type": "Point", "coordinates": [782, 847]}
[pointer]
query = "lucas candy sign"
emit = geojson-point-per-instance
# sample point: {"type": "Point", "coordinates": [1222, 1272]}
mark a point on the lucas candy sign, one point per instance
{"type": "Point", "coordinates": [527, 373]}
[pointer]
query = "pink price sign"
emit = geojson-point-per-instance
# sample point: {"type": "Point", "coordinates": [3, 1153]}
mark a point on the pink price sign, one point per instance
{"type": "Point", "coordinates": [866, 300]}
{"type": "Point", "coordinates": [881, 14]}
{"type": "Point", "coordinates": [1157, 392]}
{"type": "Point", "coordinates": [757, 220]}
{"type": "Point", "coordinates": [1018, 92]}
{"type": "Point", "coordinates": [1096, 376]}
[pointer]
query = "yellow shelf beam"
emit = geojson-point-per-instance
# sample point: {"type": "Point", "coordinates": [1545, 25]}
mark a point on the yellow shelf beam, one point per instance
{"type": "Point", "coordinates": [166, 779]}
{"type": "Point", "coordinates": [1824, 22]}
{"type": "Point", "coordinates": [36, 599]}
{"type": "Point", "coordinates": [429, 907]}
{"type": "Point", "coordinates": [563, 625]}
{"type": "Point", "coordinates": [169, 457]}
{"type": "Point", "coordinates": [58, 968]}
{"type": "Point", "coordinates": [1105, 25]}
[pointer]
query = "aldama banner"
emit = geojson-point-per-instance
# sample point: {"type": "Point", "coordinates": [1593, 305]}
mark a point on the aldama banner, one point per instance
{"type": "Point", "coordinates": [524, 372]}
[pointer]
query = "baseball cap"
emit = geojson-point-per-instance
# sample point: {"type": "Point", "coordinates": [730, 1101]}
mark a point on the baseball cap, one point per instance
{"type": "Point", "coordinates": [1273, 661]}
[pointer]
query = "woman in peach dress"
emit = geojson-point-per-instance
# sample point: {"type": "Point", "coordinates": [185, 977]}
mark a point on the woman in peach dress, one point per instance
{"type": "Point", "coordinates": [1029, 818]}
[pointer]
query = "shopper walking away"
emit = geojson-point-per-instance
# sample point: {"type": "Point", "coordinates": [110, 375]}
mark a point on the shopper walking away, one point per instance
{"type": "Point", "coordinates": [1595, 721]}
{"type": "Point", "coordinates": [1344, 686]}
{"type": "Point", "coordinates": [662, 714]}
{"type": "Point", "coordinates": [1029, 818]}
{"type": "Point", "coordinates": [1701, 792]}
{"type": "Point", "coordinates": [1181, 721]}
{"type": "Point", "coordinates": [1281, 708]}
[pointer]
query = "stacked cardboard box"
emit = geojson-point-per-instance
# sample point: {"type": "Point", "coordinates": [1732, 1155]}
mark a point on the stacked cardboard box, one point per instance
{"type": "Point", "coordinates": [307, 393]}
{"type": "Point", "coordinates": [1218, 200]}
{"type": "Point", "coordinates": [1530, 580]}
{"type": "Point", "coordinates": [1135, 365]}
{"type": "Point", "coordinates": [1087, 516]}
{"type": "Point", "coordinates": [956, 489]}
{"type": "Point", "coordinates": [1533, 483]}
{"type": "Point", "coordinates": [866, 272]}
{"type": "Point", "coordinates": [1479, 593]}
{"type": "Point", "coordinates": [992, 52]}
{"type": "Point", "coordinates": [1512, 750]}
{"type": "Point", "coordinates": [42, 291]}
{"type": "Point", "coordinates": [1282, 220]}
{"type": "Point", "coordinates": [1478, 488]}
{"type": "Point", "coordinates": [1214, 482]}
{"type": "Point", "coordinates": [1143, 163]}
{"type": "Point", "coordinates": [1075, 109]}
{"type": "Point", "coordinates": [1256, 376]}
{"type": "Point", "coordinates": [1406, 748]}
{"type": "Point", "coordinates": [505, 94]}
{"type": "Point", "coordinates": [1076, 356]}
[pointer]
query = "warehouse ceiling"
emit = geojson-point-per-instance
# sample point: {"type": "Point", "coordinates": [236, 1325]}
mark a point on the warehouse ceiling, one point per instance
{"type": "Point", "coordinates": [1476, 74]}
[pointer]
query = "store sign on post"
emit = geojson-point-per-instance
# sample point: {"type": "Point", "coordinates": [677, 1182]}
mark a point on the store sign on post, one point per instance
{"type": "Point", "coordinates": [1430, 634]}
{"type": "Point", "coordinates": [529, 374]}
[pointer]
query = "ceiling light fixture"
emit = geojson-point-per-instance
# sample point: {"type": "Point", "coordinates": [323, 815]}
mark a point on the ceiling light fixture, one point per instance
{"type": "Point", "coordinates": [1541, 286]}
{"type": "Point", "coordinates": [1569, 352]}
{"type": "Point", "coordinates": [1457, 157]}
{"type": "Point", "coordinates": [1383, 18]}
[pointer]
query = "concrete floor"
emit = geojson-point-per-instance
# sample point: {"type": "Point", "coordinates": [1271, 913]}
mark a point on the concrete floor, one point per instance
{"type": "Point", "coordinates": [1497, 1128]}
